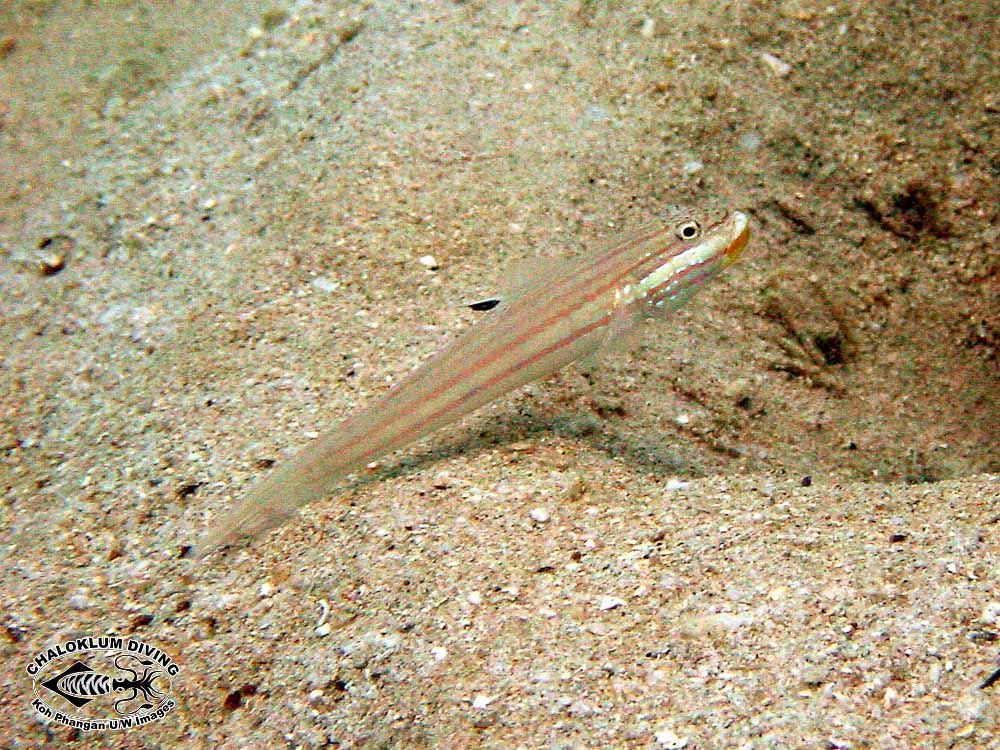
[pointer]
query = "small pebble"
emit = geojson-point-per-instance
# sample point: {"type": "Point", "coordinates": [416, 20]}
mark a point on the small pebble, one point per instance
{"type": "Point", "coordinates": [324, 284]}
{"type": "Point", "coordinates": [482, 701]}
{"type": "Point", "coordinates": [778, 593]}
{"type": "Point", "coordinates": [967, 731]}
{"type": "Point", "coordinates": [52, 264]}
{"type": "Point", "coordinates": [610, 602]}
{"type": "Point", "coordinates": [692, 166]}
{"type": "Point", "coordinates": [721, 622]}
{"type": "Point", "coordinates": [474, 597]}
{"type": "Point", "coordinates": [667, 738]}
{"type": "Point", "coordinates": [539, 515]}
{"type": "Point", "coordinates": [323, 630]}
{"type": "Point", "coordinates": [674, 484]}
{"type": "Point", "coordinates": [429, 262]}
{"type": "Point", "coordinates": [738, 391]}
{"type": "Point", "coordinates": [891, 698]}
{"type": "Point", "coordinates": [778, 66]}
{"type": "Point", "coordinates": [750, 142]}
{"type": "Point", "coordinates": [991, 614]}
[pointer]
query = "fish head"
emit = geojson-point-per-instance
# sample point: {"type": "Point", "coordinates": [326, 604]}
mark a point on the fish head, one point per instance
{"type": "Point", "coordinates": [697, 245]}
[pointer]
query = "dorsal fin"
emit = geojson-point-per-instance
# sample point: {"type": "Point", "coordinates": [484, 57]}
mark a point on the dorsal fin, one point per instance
{"type": "Point", "coordinates": [524, 275]}
{"type": "Point", "coordinates": [484, 304]}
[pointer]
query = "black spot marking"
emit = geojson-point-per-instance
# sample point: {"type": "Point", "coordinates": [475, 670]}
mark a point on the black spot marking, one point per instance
{"type": "Point", "coordinates": [484, 304]}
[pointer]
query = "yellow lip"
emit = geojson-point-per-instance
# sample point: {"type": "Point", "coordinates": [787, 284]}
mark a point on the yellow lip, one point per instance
{"type": "Point", "coordinates": [741, 230]}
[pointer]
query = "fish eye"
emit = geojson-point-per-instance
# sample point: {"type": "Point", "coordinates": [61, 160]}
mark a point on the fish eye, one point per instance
{"type": "Point", "coordinates": [688, 230]}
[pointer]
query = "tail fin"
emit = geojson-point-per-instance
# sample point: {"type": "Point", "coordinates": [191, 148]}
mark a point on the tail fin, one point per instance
{"type": "Point", "coordinates": [248, 519]}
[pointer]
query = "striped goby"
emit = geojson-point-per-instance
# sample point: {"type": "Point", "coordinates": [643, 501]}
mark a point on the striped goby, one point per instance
{"type": "Point", "coordinates": [573, 310]}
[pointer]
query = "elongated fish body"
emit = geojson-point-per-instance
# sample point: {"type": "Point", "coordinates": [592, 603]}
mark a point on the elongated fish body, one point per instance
{"type": "Point", "coordinates": [573, 310]}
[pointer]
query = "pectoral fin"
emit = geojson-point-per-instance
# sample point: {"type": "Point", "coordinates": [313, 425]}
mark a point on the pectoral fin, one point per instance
{"type": "Point", "coordinates": [622, 336]}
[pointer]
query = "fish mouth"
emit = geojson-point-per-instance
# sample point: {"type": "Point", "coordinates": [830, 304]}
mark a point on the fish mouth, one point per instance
{"type": "Point", "coordinates": [741, 235]}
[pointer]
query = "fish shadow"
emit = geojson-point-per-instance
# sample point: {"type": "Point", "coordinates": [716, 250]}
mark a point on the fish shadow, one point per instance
{"type": "Point", "coordinates": [659, 457]}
